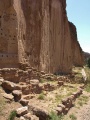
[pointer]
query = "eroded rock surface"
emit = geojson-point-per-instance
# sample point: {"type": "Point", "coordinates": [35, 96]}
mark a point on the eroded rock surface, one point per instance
{"type": "Point", "coordinates": [37, 33]}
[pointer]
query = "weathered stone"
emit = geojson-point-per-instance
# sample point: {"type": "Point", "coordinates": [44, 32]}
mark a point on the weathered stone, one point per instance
{"type": "Point", "coordinates": [71, 97]}
{"type": "Point", "coordinates": [34, 82]}
{"type": "Point", "coordinates": [9, 86]}
{"type": "Point", "coordinates": [22, 118]}
{"type": "Point", "coordinates": [24, 102]}
{"type": "Point", "coordinates": [61, 105]}
{"type": "Point", "coordinates": [60, 83]}
{"type": "Point", "coordinates": [40, 112]}
{"type": "Point", "coordinates": [30, 96]}
{"type": "Point", "coordinates": [8, 96]}
{"type": "Point", "coordinates": [82, 86]}
{"type": "Point", "coordinates": [17, 95]}
{"type": "Point", "coordinates": [65, 101]}
{"type": "Point", "coordinates": [22, 111]}
{"type": "Point", "coordinates": [18, 87]}
{"type": "Point", "coordinates": [26, 89]}
{"type": "Point", "coordinates": [59, 110]}
{"type": "Point", "coordinates": [75, 94]}
{"type": "Point", "coordinates": [29, 116]}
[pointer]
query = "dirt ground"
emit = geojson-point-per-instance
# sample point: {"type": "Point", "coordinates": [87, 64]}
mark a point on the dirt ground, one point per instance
{"type": "Point", "coordinates": [6, 106]}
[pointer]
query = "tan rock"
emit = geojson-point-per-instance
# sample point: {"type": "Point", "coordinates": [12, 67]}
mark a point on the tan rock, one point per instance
{"type": "Point", "coordinates": [17, 95]}
{"type": "Point", "coordinates": [34, 82]}
{"type": "Point", "coordinates": [8, 96]}
{"type": "Point", "coordinates": [24, 102]}
{"type": "Point", "coordinates": [22, 118]}
{"type": "Point", "coordinates": [22, 111]}
{"type": "Point", "coordinates": [59, 110]}
{"type": "Point", "coordinates": [10, 86]}
{"type": "Point", "coordinates": [31, 117]}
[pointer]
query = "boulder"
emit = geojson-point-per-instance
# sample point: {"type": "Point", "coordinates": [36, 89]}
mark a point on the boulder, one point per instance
{"type": "Point", "coordinates": [59, 110]}
{"type": "Point", "coordinates": [8, 96]}
{"type": "Point", "coordinates": [8, 86]}
{"type": "Point", "coordinates": [17, 95]}
{"type": "Point", "coordinates": [34, 82]}
{"type": "Point", "coordinates": [24, 102]}
{"type": "Point", "coordinates": [29, 116]}
{"type": "Point", "coordinates": [22, 118]}
{"type": "Point", "coordinates": [38, 111]}
{"type": "Point", "coordinates": [22, 111]}
{"type": "Point", "coordinates": [60, 83]}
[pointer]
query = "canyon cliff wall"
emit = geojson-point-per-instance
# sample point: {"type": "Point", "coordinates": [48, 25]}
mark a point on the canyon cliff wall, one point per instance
{"type": "Point", "coordinates": [77, 54]}
{"type": "Point", "coordinates": [36, 32]}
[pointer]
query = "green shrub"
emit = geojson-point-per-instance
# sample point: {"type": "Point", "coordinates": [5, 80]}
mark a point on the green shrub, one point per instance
{"type": "Point", "coordinates": [54, 116]}
{"type": "Point", "coordinates": [41, 96]}
{"type": "Point", "coordinates": [12, 115]}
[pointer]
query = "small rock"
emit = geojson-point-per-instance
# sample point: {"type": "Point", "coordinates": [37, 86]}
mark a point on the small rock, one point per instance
{"type": "Point", "coordinates": [1, 80]}
{"type": "Point", "coordinates": [59, 110]}
{"type": "Point", "coordinates": [8, 85]}
{"type": "Point", "coordinates": [40, 112]}
{"type": "Point", "coordinates": [75, 94]}
{"type": "Point", "coordinates": [17, 95]}
{"type": "Point", "coordinates": [71, 97]}
{"type": "Point", "coordinates": [30, 96]}
{"type": "Point", "coordinates": [61, 105]}
{"type": "Point", "coordinates": [29, 116]}
{"type": "Point", "coordinates": [60, 83]}
{"type": "Point", "coordinates": [82, 86]}
{"type": "Point", "coordinates": [24, 102]}
{"type": "Point", "coordinates": [8, 96]}
{"type": "Point", "coordinates": [65, 101]}
{"type": "Point", "coordinates": [18, 87]}
{"type": "Point", "coordinates": [34, 82]}
{"type": "Point", "coordinates": [22, 118]}
{"type": "Point", "coordinates": [22, 111]}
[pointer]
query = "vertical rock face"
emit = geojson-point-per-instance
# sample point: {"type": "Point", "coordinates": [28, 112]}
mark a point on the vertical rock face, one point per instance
{"type": "Point", "coordinates": [45, 42]}
{"type": "Point", "coordinates": [8, 35]}
{"type": "Point", "coordinates": [77, 54]}
{"type": "Point", "coordinates": [36, 33]}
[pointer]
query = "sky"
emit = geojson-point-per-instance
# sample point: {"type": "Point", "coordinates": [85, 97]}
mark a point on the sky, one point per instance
{"type": "Point", "coordinates": [78, 12]}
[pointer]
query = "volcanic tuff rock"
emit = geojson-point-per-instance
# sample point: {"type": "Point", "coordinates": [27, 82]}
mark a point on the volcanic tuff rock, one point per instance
{"type": "Point", "coordinates": [36, 32]}
{"type": "Point", "coordinates": [77, 54]}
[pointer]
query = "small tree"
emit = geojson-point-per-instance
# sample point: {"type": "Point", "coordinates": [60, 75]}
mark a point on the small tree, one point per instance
{"type": "Point", "coordinates": [88, 62]}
